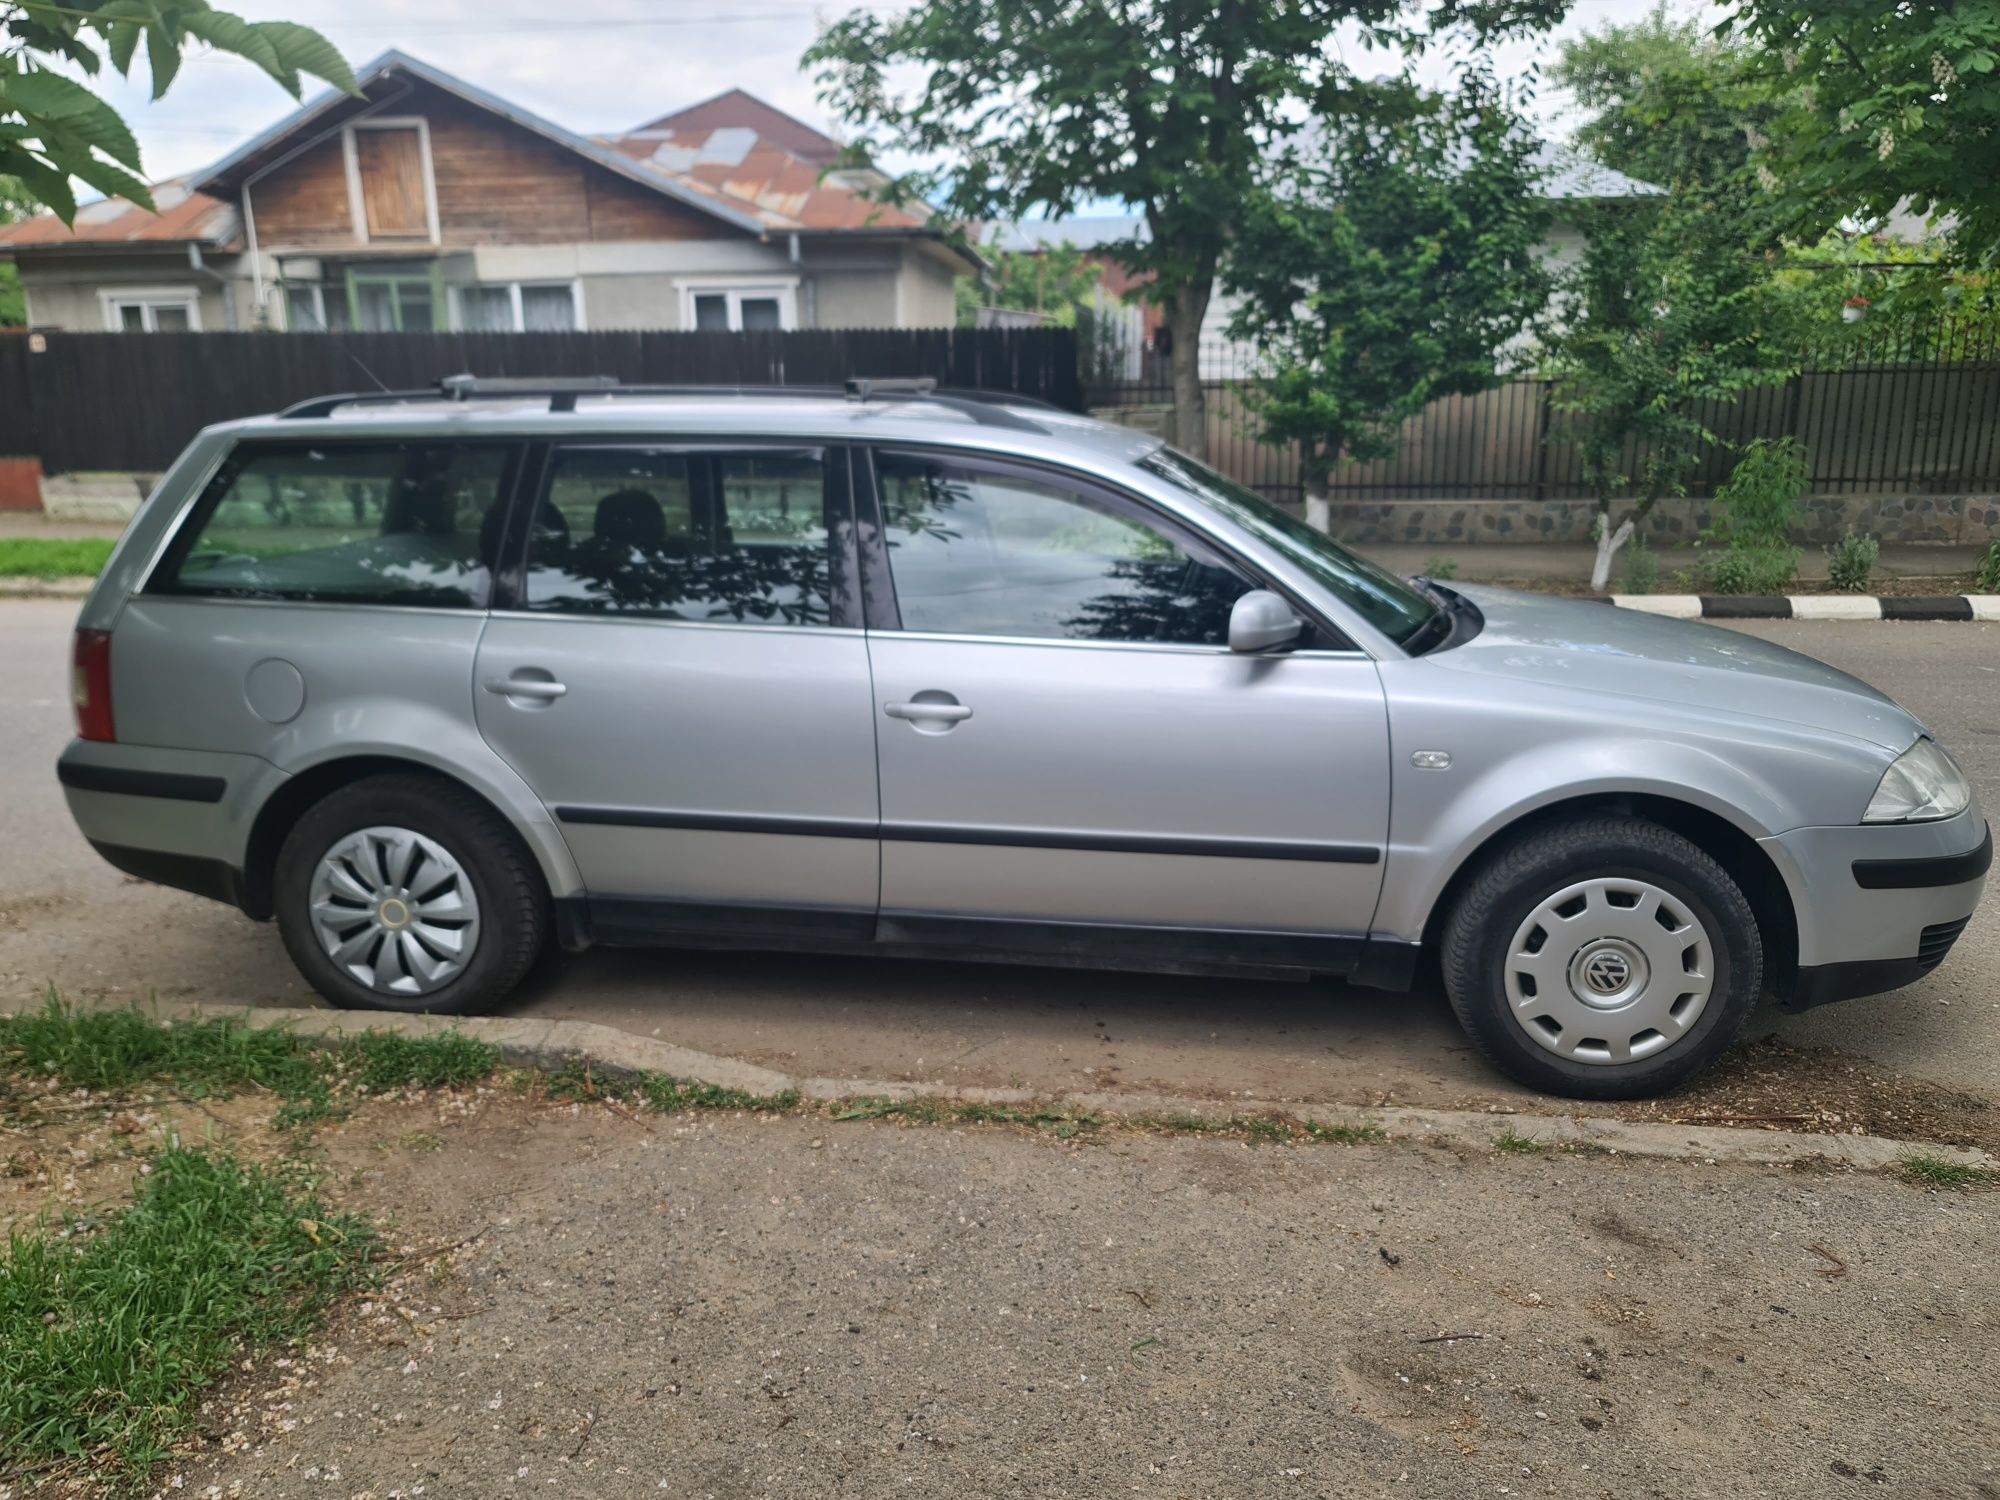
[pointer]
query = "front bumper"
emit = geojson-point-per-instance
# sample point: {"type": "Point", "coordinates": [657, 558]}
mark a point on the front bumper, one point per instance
{"type": "Point", "coordinates": [1879, 905]}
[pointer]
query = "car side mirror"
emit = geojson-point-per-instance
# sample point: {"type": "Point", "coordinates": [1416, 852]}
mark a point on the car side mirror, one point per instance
{"type": "Point", "coordinates": [1262, 621]}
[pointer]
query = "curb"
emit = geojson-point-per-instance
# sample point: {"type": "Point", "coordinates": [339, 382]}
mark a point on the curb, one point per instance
{"type": "Point", "coordinates": [551, 1044]}
{"type": "Point", "coordinates": [45, 588]}
{"type": "Point", "coordinates": [1814, 606]}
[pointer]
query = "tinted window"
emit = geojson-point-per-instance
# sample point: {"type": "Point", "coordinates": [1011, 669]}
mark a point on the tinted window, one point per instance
{"type": "Point", "coordinates": [982, 551]}
{"type": "Point", "coordinates": [397, 523]}
{"type": "Point", "coordinates": [684, 534]}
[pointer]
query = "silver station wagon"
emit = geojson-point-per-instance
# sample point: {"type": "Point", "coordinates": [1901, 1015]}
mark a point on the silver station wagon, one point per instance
{"type": "Point", "coordinates": [437, 678]}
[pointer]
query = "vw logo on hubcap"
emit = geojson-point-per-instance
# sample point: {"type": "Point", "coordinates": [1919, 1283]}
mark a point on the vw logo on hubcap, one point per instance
{"type": "Point", "coordinates": [1607, 973]}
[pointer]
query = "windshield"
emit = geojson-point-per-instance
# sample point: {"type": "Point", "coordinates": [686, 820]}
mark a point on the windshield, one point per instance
{"type": "Point", "coordinates": [1376, 594]}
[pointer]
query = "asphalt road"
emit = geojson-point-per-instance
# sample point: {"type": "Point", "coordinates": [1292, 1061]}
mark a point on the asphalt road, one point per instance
{"type": "Point", "coordinates": [68, 920]}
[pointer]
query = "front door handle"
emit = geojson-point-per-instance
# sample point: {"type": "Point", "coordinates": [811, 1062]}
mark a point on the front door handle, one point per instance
{"type": "Point", "coordinates": [526, 687]}
{"type": "Point", "coordinates": [944, 711]}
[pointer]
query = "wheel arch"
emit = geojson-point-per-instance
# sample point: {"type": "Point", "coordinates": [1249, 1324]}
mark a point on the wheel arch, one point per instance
{"type": "Point", "coordinates": [307, 786]}
{"type": "Point", "coordinates": [1736, 850]}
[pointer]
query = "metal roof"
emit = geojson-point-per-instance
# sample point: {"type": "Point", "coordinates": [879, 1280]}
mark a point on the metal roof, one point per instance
{"type": "Point", "coordinates": [184, 217]}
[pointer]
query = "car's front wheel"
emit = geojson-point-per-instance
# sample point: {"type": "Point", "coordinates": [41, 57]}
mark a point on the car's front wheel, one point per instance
{"type": "Point", "coordinates": [1603, 959]}
{"type": "Point", "coordinates": [406, 892]}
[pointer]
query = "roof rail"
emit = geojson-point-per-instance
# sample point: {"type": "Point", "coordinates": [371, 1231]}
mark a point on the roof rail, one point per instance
{"type": "Point", "coordinates": [984, 407]}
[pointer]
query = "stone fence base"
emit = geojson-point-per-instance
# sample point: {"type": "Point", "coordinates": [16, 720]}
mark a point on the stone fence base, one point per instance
{"type": "Point", "coordinates": [1944, 519]}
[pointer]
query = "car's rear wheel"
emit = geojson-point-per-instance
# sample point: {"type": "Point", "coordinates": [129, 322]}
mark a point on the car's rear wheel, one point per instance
{"type": "Point", "coordinates": [1603, 959]}
{"type": "Point", "coordinates": [406, 892]}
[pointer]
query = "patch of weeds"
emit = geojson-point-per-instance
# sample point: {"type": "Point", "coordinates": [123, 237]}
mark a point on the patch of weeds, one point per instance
{"type": "Point", "coordinates": [1986, 577]}
{"type": "Point", "coordinates": [1194, 1124]}
{"type": "Point", "coordinates": [1511, 1140]}
{"type": "Point", "coordinates": [577, 1080]}
{"type": "Point", "coordinates": [110, 1331]}
{"type": "Point", "coordinates": [1443, 569]}
{"type": "Point", "coordinates": [670, 1095]}
{"type": "Point", "coordinates": [1265, 1127]}
{"type": "Point", "coordinates": [1345, 1135]}
{"type": "Point", "coordinates": [1939, 1171]}
{"type": "Point", "coordinates": [53, 557]}
{"type": "Point", "coordinates": [379, 1061]}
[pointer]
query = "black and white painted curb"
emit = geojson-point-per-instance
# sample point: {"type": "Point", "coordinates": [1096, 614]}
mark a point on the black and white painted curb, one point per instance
{"type": "Point", "coordinates": [1815, 606]}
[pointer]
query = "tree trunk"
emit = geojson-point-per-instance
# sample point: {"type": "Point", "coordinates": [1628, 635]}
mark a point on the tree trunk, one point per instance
{"type": "Point", "coordinates": [1609, 540]}
{"type": "Point", "coordinates": [1184, 312]}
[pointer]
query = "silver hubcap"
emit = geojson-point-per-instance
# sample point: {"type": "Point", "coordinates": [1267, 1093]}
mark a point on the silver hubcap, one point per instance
{"type": "Point", "coordinates": [395, 911]}
{"type": "Point", "coordinates": [1609, 971]}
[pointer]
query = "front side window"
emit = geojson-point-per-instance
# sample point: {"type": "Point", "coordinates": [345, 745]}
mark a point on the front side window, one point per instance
{"type": "Point", "coordinates": [740, 309]}
{"type": "Point", "coordinates": [517, 307]}
{"type": "Point", "coordinates": [1372, 591]}
{"type": "Point", "coordinates": [978, 549]}
{"type": "Point", "coordinates": [382, 523]}
{"type": "Point", "coordinates": [714, 535]}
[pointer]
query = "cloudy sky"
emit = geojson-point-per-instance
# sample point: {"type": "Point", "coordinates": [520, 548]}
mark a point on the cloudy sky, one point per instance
{"type": "Point", "coordinates": [591, 65]}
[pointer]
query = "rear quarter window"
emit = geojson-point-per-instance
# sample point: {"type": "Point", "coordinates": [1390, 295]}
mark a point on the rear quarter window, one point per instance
{"type": "Point", "coordinates": [366, 523]}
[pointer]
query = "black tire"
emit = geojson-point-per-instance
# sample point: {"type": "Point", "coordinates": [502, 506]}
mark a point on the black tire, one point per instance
{"type": "Point", "coordinates": [513, 899]}
{"type": "Point", "coordinates": [1508, 888]}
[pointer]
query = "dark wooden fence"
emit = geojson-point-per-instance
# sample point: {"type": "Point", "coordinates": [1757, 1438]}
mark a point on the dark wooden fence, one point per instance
{"type": "Point", "coordinates": [121, 401]}
{"type": "Point", "coordinates": [1920, 417]}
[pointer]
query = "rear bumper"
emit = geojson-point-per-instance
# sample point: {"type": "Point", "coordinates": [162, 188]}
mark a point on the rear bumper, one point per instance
{"type": "Point", "coordinates": [179, 818]}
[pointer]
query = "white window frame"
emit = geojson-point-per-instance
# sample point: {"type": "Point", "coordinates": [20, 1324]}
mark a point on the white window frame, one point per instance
{"type": "Point", "coordinates": [318, 291]}
{"type": "Point", "coordinates": [147, 299]}
{"type": "Point", "coordinates": [735, 288]}
{"type": "Point", "coordinates": [357, 205]}
{"type": "Point", "coordinates": [455, 295]}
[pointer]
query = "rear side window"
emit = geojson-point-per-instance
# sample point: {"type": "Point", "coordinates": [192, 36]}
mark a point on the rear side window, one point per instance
{"type": "Point", "coordinates": [375, 523]}
{"type": "Point", "coordinates": [714, 534]}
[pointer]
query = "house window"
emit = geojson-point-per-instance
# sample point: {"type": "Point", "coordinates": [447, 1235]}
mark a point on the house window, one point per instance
{"type": "Point", "coordinates": [391, 187]}
{"type": "Point", "coordinates": [171, 309]}
{"type": "Point", "coordinates": [750, 308]}
{"type": "Point", "coordinates": [409, 299]}
{"type": "Point", "coordinates": [311, 307]}
{"type": "Point", "coordinates": [520, 307]}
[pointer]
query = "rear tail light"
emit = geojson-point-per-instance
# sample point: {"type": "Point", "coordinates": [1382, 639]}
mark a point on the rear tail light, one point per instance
{"type": "Point", "coordinates": [90, 685]}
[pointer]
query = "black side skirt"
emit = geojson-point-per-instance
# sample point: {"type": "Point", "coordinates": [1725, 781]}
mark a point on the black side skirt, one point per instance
{"type": "Point", "coordinates": [631, 921]}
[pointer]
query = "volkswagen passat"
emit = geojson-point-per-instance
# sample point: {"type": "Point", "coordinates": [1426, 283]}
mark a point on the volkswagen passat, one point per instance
{"type": "Point", "coordinates": [434, 679]}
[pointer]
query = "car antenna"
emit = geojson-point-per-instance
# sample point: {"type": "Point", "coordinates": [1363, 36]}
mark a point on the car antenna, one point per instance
{"type": "Point", "coordinates": [380, 383]}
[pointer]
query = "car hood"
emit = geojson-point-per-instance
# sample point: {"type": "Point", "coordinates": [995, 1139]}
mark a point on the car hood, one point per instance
{"type": "Point", "coordinates": [1595, 647]}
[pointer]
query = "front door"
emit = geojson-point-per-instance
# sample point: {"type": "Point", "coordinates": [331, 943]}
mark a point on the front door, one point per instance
{"type": "Point", "coordinates": [1072, 760]}
{"type": "Point", "coordinates": [679, 677]}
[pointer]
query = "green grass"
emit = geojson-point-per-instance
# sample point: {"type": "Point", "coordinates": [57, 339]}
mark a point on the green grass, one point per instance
{"type": "Point", "coordinates": [53, 557]}
{"type": "Point", "coordinates": [112, 1328]}
{"type": "Point", "coordinates": [1511, 1140]}
{"type": "Point", "coordinates": [1938, 1171]}
{"type": "Point", "coordinates": [118, 1051]}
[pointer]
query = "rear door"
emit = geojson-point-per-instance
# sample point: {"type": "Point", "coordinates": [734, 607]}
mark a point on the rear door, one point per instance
{"type": "Point", "coordinates": [679, 672]}
{"type": "Point", "coordinates": [1072, 760]}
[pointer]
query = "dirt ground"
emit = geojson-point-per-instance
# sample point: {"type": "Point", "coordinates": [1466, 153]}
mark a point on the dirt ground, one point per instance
{"type": "Point", "coordinates": [617, 1304]}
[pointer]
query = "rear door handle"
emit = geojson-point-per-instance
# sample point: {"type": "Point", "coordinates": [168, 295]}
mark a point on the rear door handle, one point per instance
{"type": "Point", "coordinates": [525, 687]}
{"type": "Point", "coordinates": [949, 713]}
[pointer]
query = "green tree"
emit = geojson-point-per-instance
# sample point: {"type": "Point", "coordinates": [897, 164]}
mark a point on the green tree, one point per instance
{"type": "Point", "coordinates": [1669, 102]}
{"type": "Point", "coordinates": [1894, 103]}
{"type": "Point", "coordinates": [13, 303]}
{"type": "Point", "coordinates": [1392, 262]}
{"type": "Point", "coordinates": [1668, 310]}
{"type": "Point", "coordinates": [54, 132]}
{"type": "Point", "coordinates": [1170, 106]}
{"type": "Point", "coordinates": [1056, 281]}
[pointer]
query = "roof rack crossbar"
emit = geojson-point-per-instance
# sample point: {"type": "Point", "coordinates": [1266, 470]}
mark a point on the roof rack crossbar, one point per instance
{"type": "Point", "coordinates": [984, 407]}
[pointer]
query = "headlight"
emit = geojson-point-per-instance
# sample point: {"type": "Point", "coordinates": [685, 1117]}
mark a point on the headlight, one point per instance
{"type": "Point", "coordinates": [1922, 786]}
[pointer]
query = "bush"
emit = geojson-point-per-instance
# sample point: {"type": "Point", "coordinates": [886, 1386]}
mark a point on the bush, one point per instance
{"type": "Point", "coordinates": [1642, 566]}
{"type": "Point", "coordinates": [1746, 570]}
{"type": "Point", "coordinates": [1758, 506]}
{"type": "Point", "coordinates": [1851, 561]}
{"type": "Point", "coordinates": [1987, 579]}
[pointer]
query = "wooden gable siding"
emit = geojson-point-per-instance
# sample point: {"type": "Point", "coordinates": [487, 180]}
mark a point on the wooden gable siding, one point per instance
{"type": "Point", "coordinates": [305, 201]}
{"type": "Point", "coordinates": [497, 184]}
{"type": "Point", "coordinates": [391, 165]}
